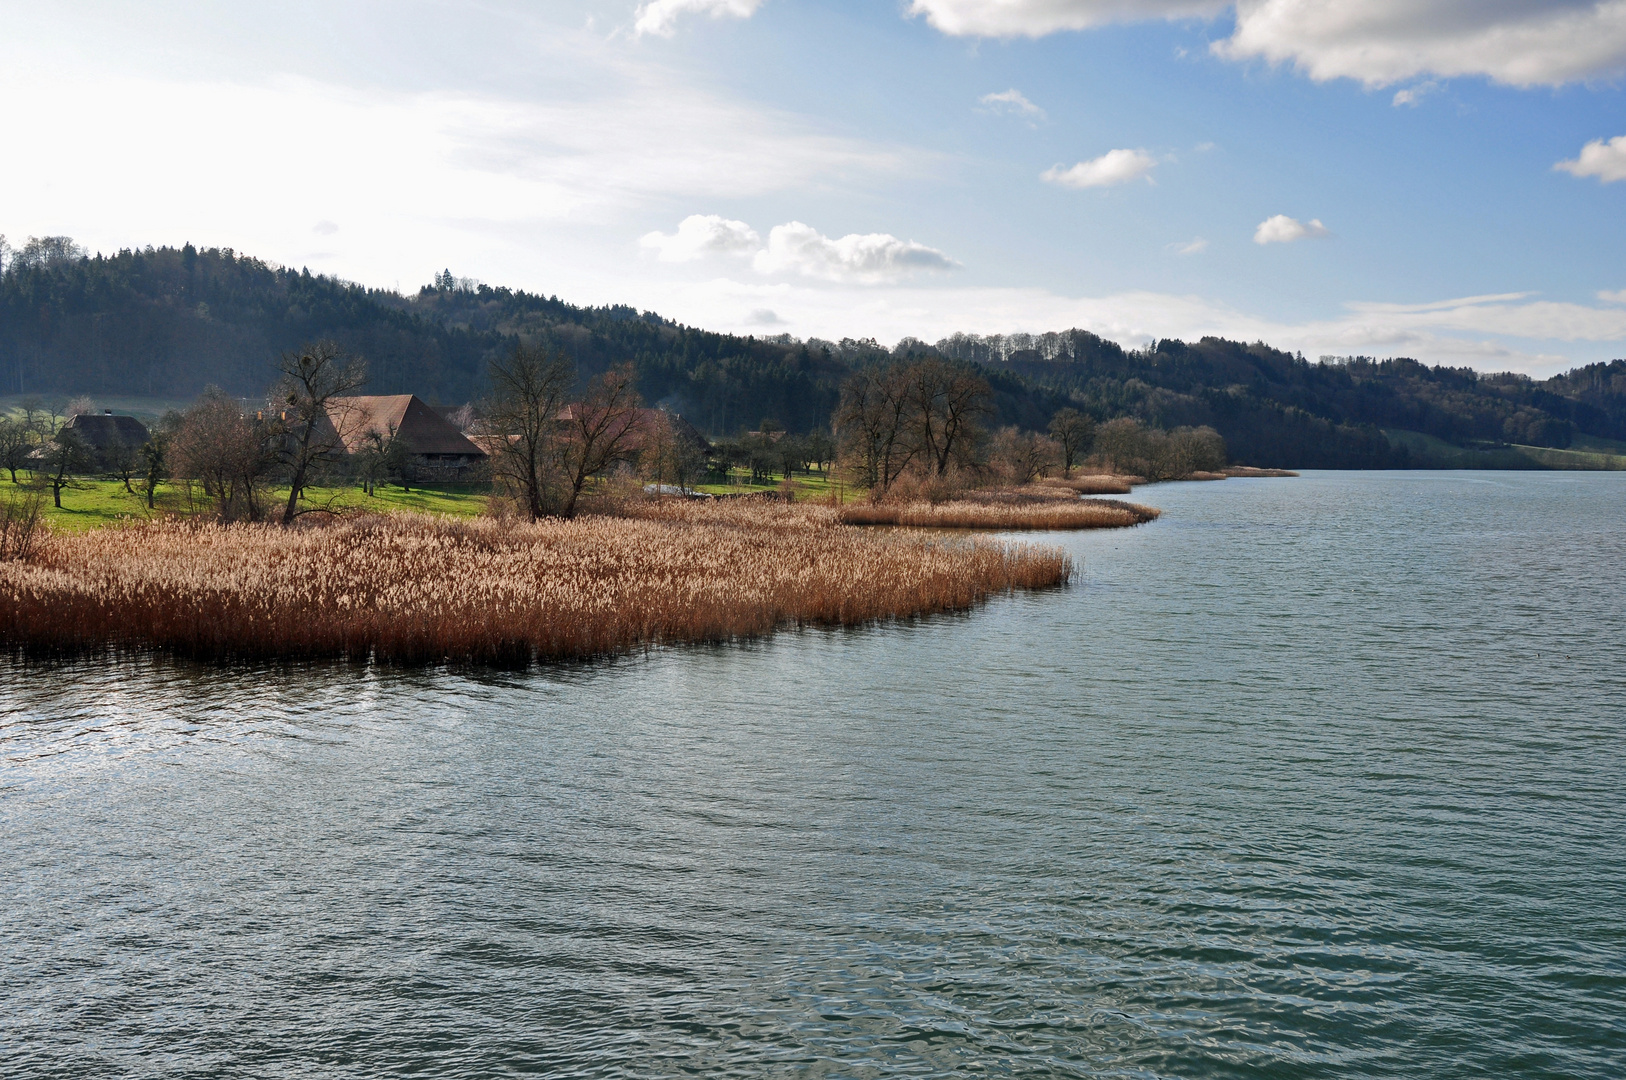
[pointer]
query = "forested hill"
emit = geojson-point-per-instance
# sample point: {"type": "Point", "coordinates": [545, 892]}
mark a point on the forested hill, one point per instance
{"type": "Point", "coordinates": [166, 322]}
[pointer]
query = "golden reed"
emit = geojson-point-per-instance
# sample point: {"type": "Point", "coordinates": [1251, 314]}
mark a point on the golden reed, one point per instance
{"type": "Point", "coordinates": [1047, 514]}
{"type": "Point", "coordinates": [1092, 485]}
{"type": "Point", "coordinates": [421, 589]}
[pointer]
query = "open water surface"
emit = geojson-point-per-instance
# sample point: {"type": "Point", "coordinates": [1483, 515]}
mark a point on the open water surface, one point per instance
{"type": "Point", "coordinates": [1310, 778]}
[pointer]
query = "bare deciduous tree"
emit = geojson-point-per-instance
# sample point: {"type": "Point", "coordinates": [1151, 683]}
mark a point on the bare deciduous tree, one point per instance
{"type": "Point", "coordinates": [311, 379]}
{"type": "Point", "coordinates": [382, 456]}
{"type": "Point", "coordinates": [927, 411]}
{"type": "Point", "coordinates": [64, 456]}
{"type": "Point", "coordinates": [530, 389]}
{"type": "Point", "coordinates": [122, 460]}
{"type": "Point", "coordinates": [225, 450]}
{"type": "Point", "coordinates": [1074, 433]}
{"type": "Point", "coordinates": [947, 401]}
{"type": "Point", "coordinates": [1023, 456]}
{"type": "Point", "coordinates": [16, 443]}
{"type": "Point", "coordinates": [872, 421]}
{"type": "Point", "coordinates": [599, 431]}
{"type": "Point", "coordinates": [666, 454]}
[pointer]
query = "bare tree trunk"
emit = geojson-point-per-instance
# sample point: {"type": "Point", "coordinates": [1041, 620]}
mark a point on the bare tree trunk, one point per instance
{"type": "Point", "coordinates": [601, 431]}
{"type": "Point", "coordinates": [314, 382]}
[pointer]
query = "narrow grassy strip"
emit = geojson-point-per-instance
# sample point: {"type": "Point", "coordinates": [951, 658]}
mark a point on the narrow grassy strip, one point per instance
{"type": "Point", "coordinates": [1072, 514]}
{"type": "Point", "coordinates": [417, 589]}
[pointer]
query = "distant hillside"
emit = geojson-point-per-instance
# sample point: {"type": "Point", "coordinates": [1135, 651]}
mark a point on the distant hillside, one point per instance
{"type": "Point", "coordinates": [166, 322]}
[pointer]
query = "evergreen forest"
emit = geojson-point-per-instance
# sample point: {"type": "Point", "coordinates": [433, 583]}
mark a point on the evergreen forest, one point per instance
{"type": "Point", "coordinates": [167, 322]}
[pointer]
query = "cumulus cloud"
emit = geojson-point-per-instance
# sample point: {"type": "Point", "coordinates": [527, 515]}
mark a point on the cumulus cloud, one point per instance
{"type": "Point", "coordinates": [1605, 160]}
{"type": "Point", "coordinates": [1011, 101]}
{"type": "Point", "coordinates": [1195, 246]}
{"type": "Point", "coordinates": [1616, 296]}
{"type": "Point", "coordinates": [1378, 42]}
{"type": "Point", "coordinates": [1282, 229]}
{"type": "Point", "coordinates": [702, 234]}
{"type": "Point", "coordinates": [1035, 18]}
{"type": "Point", "coordinates": [870, 257]}
{"type": "Point", "coordinates": [1112, 167]}
{"type": "Point", "coordinates": [661, 16]}
{"type": "Point", "coordinates": [1522, 42]}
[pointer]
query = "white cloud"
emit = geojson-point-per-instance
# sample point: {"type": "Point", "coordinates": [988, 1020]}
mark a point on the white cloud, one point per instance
{"type": "Point", "coordinates": [870, 257]}
{"type": "Point", "coordinates": [516, 190]}
{"type": "Point", "coordinates": [1011, 101]}
{"type": "Point", "coordinates": [703, 234]}
{"type": "Point", "coordinates": [1282, 229]}
{"type": "Point", "coordinates": [661, 16]}
{"type": "Point", "coordinates": [1035, 18]}
{"type": "Point", "coordinates": [1508, 314]}
{"type": "Point", "coordinates": [1195, 246]}
{"type": "Point", "coordinates": [1605, 160]}
{"type": "Point", "coordinates": [1381, 42]}
{"type": "Point", "coordinates": [1508, 332]}
{"type": "Point", "coordinates": [1411, 95]}
{"type": "Point", "coordinates": [1377, 42]}
{"type": "Point", "coordinates": [1112, 167]}
{"type": "Point", "coordinates": [1618, 296]}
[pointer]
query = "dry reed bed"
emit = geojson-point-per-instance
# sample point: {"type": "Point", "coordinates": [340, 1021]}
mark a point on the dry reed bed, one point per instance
{"type": "Point", "coordinates": [1092, 485]}
{"type": "Point", "coordinates": [1049, 514]}
{"type": "Point", "coordinates": [1249, 470]}
{"type": "Point", "coordinates": [411, 588]}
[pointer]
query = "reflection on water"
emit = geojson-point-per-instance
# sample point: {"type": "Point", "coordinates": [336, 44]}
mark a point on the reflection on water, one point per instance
{"type": "Point", "coordinates": [1314, 777]}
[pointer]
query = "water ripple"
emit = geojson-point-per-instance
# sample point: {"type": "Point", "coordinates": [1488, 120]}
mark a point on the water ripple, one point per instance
{"type": "Point", "coordinates": [1314, 778]}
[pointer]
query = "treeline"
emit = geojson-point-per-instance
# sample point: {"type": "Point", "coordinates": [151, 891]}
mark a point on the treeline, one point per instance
{"type": "Point", "coordinates": [923, 424]}
{"type": "Point", "coordinates": [165, 322]}
{"type": "Point", "coordinates": [1276, 408]}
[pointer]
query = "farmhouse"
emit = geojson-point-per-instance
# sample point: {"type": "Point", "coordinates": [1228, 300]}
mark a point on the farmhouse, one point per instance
{"type": "Point", "coordinates": [105, 434]}
{"type": "Point", "coordinates": [438, 450]}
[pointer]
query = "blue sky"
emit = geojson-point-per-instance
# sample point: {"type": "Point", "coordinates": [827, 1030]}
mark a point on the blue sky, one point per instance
{"type": "Point", "coordinates": [891, 169]}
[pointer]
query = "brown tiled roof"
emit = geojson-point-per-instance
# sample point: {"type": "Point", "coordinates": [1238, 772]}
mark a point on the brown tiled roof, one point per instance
{"type": "Point", "coordinates": [101, 430]}
{"type": "Point", "coordinates": [422, 429]}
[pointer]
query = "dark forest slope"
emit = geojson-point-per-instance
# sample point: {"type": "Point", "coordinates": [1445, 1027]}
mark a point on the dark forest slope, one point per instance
{"type": "Point", "coordinates": [166, 322]}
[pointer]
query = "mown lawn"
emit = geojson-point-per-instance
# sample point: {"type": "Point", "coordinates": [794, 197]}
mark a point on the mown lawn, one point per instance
{"type": "Point", "coordinates": [92, 503]}
{"type": "Point", "coordinates": [817, 486]}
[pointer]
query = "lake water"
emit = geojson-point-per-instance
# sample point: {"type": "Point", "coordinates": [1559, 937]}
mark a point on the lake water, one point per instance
{"type": "Point", "coordinates": [1310, 778]}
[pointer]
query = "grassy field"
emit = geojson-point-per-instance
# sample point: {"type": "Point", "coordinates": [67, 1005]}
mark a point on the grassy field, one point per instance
{"type": "Point", "coordinates": [815, 486]}
{"type": "Point", "coordinates": [90, 504]}
{"type": "Point", "coordinates": [1587, 453]}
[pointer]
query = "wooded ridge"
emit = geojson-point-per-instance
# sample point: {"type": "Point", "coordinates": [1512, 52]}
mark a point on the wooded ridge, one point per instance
{"type": "Point", "coordinates": [166, 322]}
